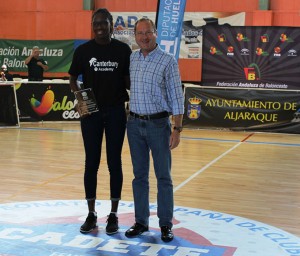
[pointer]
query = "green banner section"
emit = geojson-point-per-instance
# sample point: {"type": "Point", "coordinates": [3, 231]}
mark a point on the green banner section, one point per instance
{"type": "Point", "coordinates": [57, 53]}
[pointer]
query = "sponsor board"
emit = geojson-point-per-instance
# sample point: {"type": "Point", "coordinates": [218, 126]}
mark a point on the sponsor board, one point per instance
{"type": "Point", "coordinates": [51, 228]}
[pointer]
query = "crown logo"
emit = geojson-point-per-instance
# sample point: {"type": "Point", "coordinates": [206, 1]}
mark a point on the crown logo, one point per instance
{"type": "Point", "coordinates": [195, 100]}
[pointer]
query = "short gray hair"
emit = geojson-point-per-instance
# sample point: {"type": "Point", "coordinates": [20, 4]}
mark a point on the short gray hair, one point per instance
{"type": "Point", "coordinates": [145, 19]}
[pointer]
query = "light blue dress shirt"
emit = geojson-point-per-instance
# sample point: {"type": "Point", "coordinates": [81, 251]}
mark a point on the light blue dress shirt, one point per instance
{"type": "Point", "coordinates": [155, 83]}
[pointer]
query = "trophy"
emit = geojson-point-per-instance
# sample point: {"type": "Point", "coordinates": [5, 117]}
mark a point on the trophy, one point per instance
{"type": "Point", "coordinates": [86, 102]}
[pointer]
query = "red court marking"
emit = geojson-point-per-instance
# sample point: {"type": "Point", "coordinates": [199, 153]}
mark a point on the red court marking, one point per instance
{"type": "Point", "coordinates": [247, 137]}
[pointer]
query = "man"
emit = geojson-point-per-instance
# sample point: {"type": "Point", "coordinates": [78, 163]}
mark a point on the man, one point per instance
{"type": "Point", "coordinates": [155, 91]}
{"type": "Point", "coordinates": [5, 75]}
{"type": "Point", "coordinates": [103, 63]}
{"type": "Point", "coordinates": [36, 65]}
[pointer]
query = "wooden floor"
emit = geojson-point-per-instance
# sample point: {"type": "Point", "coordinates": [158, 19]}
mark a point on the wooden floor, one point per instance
{"type": "Point", "coordinates": [256, 176]}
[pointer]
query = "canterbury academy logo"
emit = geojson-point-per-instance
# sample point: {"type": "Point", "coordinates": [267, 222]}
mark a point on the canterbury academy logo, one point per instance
{"type": "Point", "coordinates": [109, 66]}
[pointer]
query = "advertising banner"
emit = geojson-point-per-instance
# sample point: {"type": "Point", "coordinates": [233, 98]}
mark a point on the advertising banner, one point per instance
{"type": "Point", "coordinates": [57, 53]}
{"type": "Point", "coordinates": [251, 57]}
{"type": "Point", "coordinates": [192, 30]}
{"type": "Point", "coordinates": [169, 25]}
{"type": "Point", "coordinates": [46, 102]}
{"type": "Point", "coordinates": [8, 106]}
{"type": "Point", "coordinates": [191, 34]}
{"type": "Point", "coordinates": [240, 109]}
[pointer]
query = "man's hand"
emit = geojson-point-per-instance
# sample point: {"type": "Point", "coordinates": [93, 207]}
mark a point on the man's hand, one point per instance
{"type": "Point", "coordinates": [174, 139]}
{"type": "Point", "coordinates": [44, 67]}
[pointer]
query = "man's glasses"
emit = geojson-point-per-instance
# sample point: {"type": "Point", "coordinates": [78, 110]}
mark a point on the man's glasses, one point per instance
{"type": "Point", "coordinates": [147, 33]}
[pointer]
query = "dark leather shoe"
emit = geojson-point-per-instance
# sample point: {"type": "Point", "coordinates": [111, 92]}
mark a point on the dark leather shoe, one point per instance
{"type": "Point", "coordinates": [166, 234]}
{"type": "Point", "coordinates": [136, 230]}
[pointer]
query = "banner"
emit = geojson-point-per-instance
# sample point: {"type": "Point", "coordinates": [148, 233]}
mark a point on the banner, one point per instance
{"type": "Point", "coordinates": [240, 109]}
{"type": "Point", "coordinates": [192, 30]}
{"type": "Point", "coordinates": [251, 57]}
{"type": "Point", "coordinates": [46, 102]}
{"type": "Point", "coordinates": [8, 106]}
{"type": "Point", "coordinates": [191, 38]}
{"type": "Point", "coordinates": [57, 53]}
{"type": "Point", "coordinates": [169, 25]}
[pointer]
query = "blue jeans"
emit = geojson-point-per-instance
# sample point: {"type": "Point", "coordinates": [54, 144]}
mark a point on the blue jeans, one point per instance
{"type": "Point", "coordinates": [112, 121]}
{"type": "Point", "coordinates": [145, 136]}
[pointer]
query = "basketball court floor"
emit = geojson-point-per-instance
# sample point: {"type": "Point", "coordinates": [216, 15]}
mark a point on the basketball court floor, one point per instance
{"type": "Point", "coordinates": [236, 193]}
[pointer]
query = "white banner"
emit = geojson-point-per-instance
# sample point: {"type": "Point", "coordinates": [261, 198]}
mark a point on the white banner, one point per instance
{"type": "Point", "coordinates": [191, 37]}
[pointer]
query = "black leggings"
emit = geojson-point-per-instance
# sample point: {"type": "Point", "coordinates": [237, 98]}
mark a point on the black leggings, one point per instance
{"type": "Point", "coordinates": [112, 121]}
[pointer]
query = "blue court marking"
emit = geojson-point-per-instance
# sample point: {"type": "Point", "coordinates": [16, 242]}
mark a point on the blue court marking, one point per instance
{"type": "Point", "coordinates": [208, 139]}
{"type": "Point", "coordinates": [48, 129]}
{"type": "Point", "coordinates": [247, 141]}
{"type": "Point", "coordinates": [274, 143]}
{"type": "Point", "coordinates": [183, 137]}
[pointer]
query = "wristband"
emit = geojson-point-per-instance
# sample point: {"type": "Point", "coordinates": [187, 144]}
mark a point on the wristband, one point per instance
{"type": "Point", "coordinates": [178, 128]}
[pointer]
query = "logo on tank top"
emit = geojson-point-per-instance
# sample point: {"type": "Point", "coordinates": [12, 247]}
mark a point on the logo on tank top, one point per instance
{"type": "Point", "coordinates": [107, 66]}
